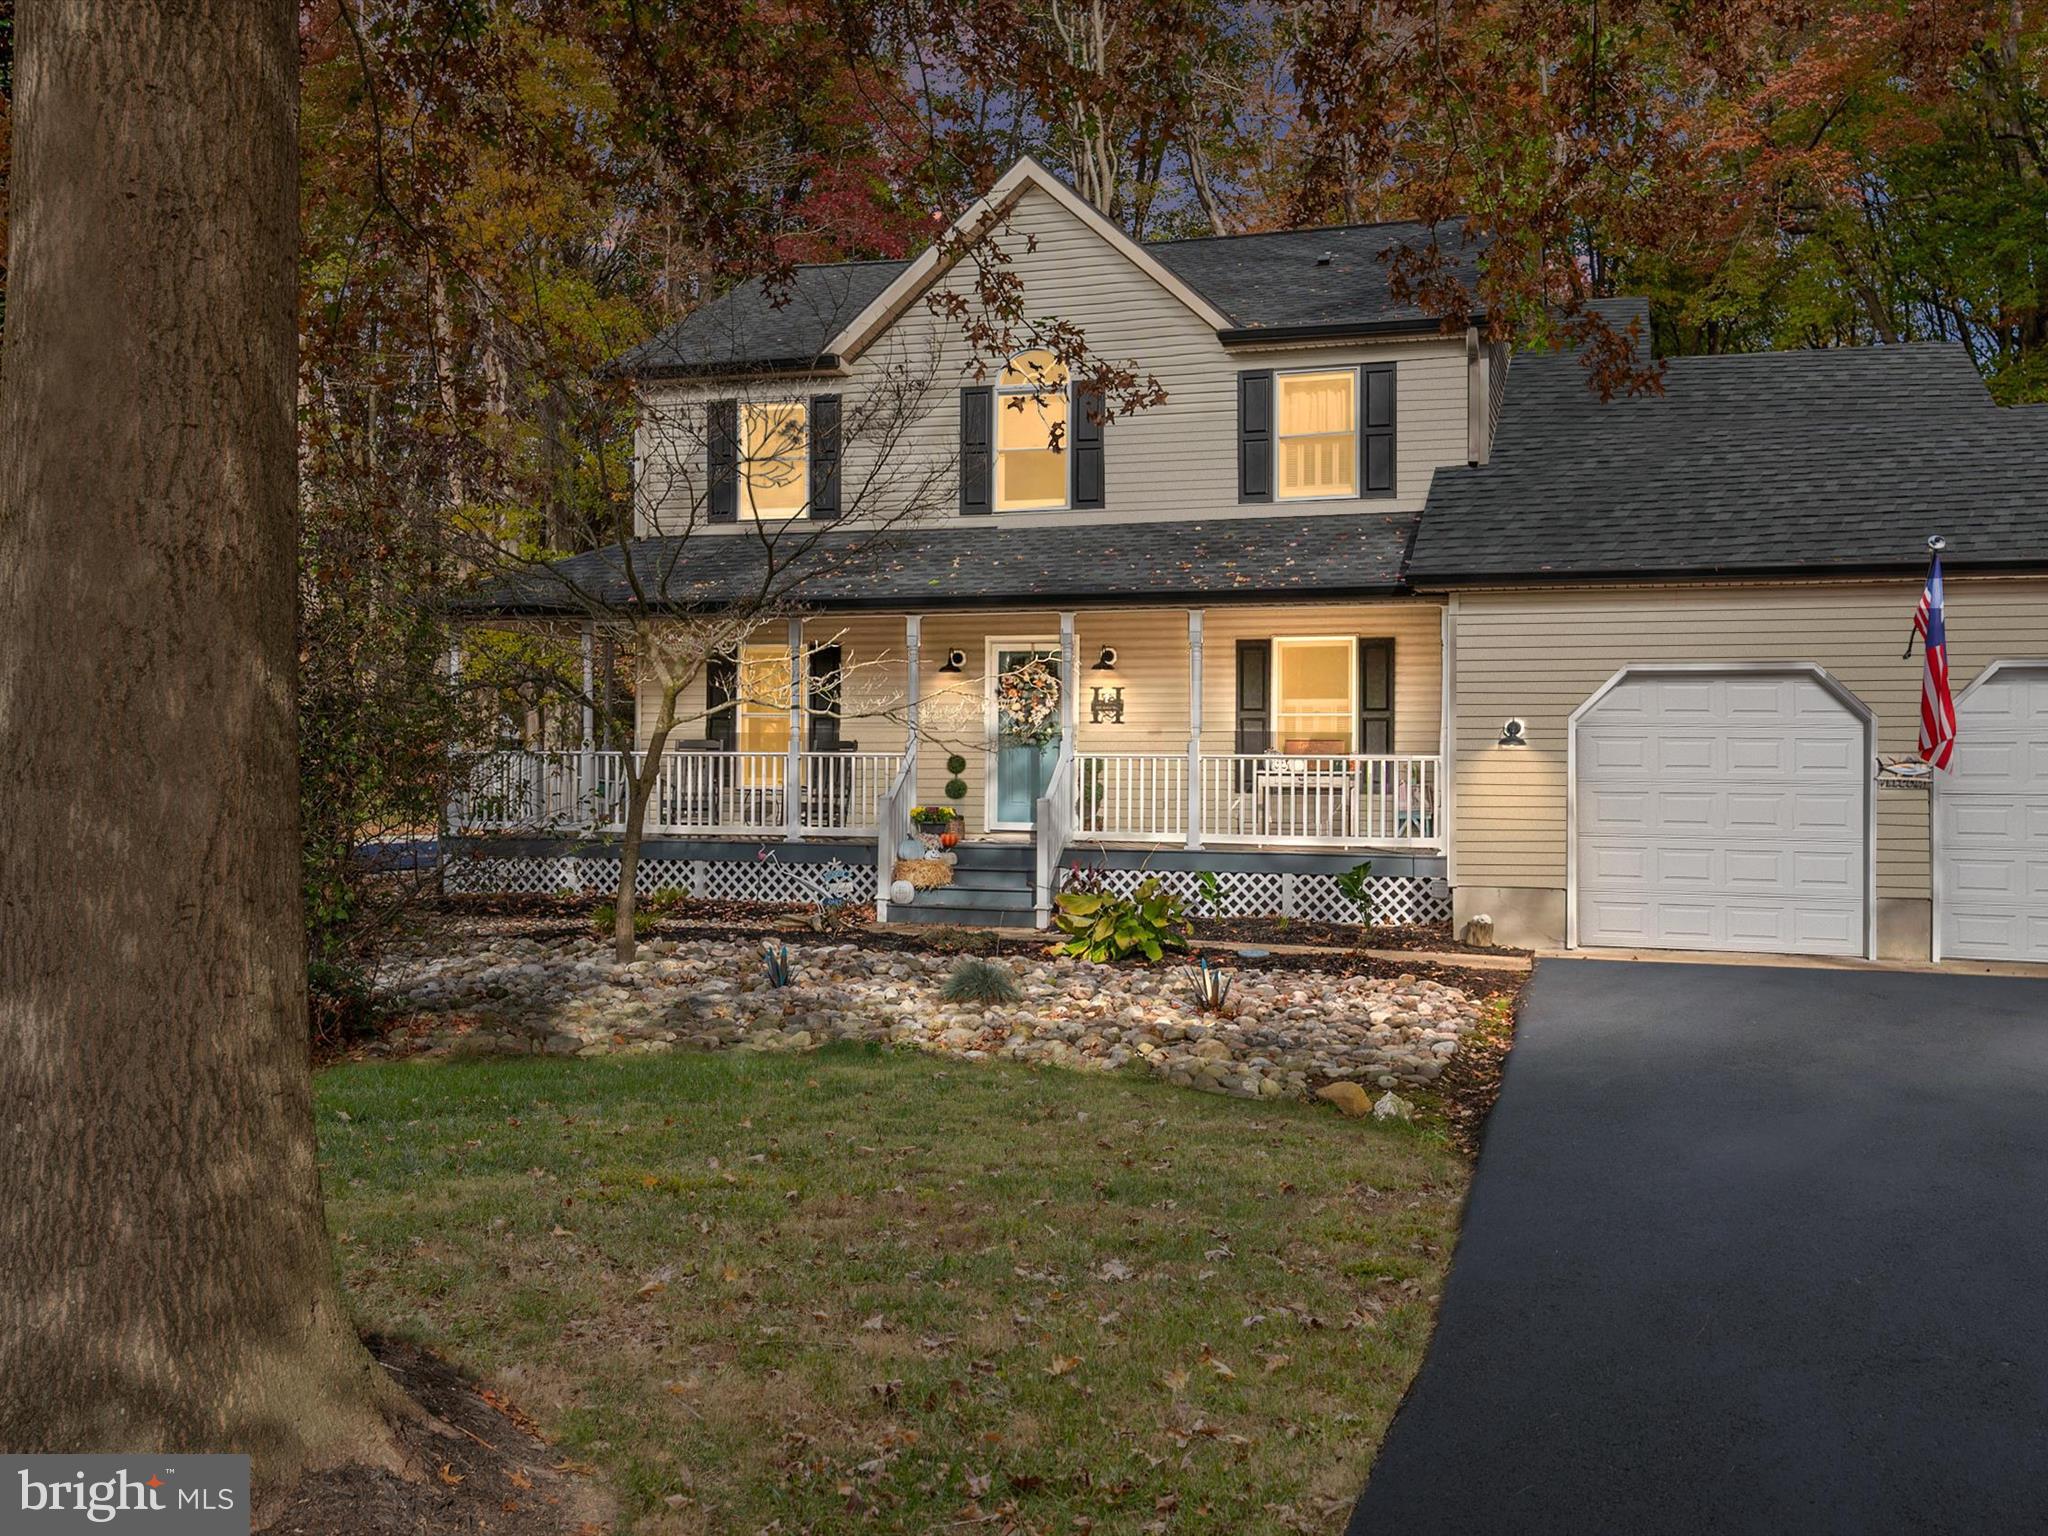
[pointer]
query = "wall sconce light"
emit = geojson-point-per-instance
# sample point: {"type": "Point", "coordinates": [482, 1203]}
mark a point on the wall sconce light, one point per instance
{"type": "Point", "coordinates": [1106, 662]}
{"type": "Point", "coordinates": [1511, 734]}
{"type": "Point", "coordinates": [956, 661]}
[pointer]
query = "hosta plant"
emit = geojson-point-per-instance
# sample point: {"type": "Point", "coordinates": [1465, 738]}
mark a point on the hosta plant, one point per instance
{"type": "Point", "coordinates": [1104, 927]}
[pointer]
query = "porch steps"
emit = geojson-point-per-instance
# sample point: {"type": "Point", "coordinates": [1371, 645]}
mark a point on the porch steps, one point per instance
{"type": "Point", "coordinates": [992, 888]}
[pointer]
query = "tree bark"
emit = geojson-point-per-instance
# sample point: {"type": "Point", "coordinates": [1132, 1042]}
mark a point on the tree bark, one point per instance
{"type": "Point", "coordinates": [165, 1277]}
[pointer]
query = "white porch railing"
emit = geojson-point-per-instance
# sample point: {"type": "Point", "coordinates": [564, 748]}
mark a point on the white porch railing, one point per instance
{"type": "Point", "coordinates": [731, 793]}
{"type": "Point", "coordinates": [1131, 795]}
{"type": "Point", "coordinates": [1265, 799]}
{"type": "Point", "coordinates": [892, 827]}
{"type": "Point", "coordinates": [1052, 829]}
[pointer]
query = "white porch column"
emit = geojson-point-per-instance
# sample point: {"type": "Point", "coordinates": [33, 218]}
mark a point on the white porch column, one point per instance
{"type": "Point", "coordinates": [1070, 683]}
{"type": "Point", "coordinates": [1194, 728]}
{"type": "Point", "coordinates": [913, 638]}
{"type": "Point", "coordinates": [586, 778]}
{"type": "Point", "coordinates": [793, 764]}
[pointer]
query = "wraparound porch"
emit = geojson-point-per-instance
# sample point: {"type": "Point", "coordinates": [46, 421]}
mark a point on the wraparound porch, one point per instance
{"type": "Point", "coordinates": [1303, 726]}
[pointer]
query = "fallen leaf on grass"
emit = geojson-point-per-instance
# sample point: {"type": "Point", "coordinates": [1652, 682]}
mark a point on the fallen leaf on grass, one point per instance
{"type": "Point", "coordinates": [449, 1475]}
{"type": "Point", "coordinates": [1175, 1381]}
{"type": "Point", "coordinates": [1062, 1365]}
{"type": "Point", "coordinates": [1275, 1362]}
{"type": "Point", "coordinates": [518, 1479]}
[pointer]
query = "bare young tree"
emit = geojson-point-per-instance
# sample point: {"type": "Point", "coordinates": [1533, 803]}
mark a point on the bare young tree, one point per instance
{"type": "Point", "coordinates": [697, 559]}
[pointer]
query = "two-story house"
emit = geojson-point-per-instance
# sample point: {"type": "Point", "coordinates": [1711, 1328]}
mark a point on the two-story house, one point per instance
{"type": "Point", "coordinates": [1353, 590]}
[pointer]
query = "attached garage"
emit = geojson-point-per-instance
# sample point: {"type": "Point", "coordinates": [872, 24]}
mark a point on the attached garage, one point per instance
{"type": "Point", "coordinates": [1991, 820]}
{"type": "Point", "coordinates": [1721, 808]}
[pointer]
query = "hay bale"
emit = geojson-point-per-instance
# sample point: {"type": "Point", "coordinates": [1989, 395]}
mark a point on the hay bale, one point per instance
{"type": "Point", "coordinates": [924, 874]}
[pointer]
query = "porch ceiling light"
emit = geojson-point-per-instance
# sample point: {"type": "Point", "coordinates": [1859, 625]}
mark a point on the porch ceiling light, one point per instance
{"type": "Point", "coordinates": [956, 661]}
{"type": "Point", "coordinates": [1106, 662]}
{"type": "Point", "coordinates": [1511, 734]}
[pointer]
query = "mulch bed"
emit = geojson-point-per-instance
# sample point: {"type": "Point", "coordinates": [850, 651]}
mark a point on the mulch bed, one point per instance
{"type": "Point", "coordinates": [1470, 1084]}
{"type": "Point", "coordinates": [481, 1466]}
{"type": "Point", "coordinates": [1289, 930]}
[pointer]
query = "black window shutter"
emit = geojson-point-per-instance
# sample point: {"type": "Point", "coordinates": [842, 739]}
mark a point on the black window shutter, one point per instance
{"type": "Point", "coordinates": [824, 456]}
{"type": "Point", "coordinates": [1254, 695]}
{"type": "Point", "coordinates": [1084, 460]}
{"type": "Point", "coordinates": [827, 668]}
{"type": "Point", "coordinates": [977, 407]}
{"type": "Point", "coordinates": [721, 687]}
{"type": "Point", "coordinates": [722, 459]}
{"type": "Point", "coordinates": [1375, 695]}
{"type": "Point", "coordinates": [1376, 431]}
{"type": "Point", "coordinates": [1255, 435]}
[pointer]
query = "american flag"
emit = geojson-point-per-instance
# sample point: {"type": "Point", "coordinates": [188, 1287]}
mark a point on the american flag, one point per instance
{"type": "Point", "coordinates": [1937, 705]}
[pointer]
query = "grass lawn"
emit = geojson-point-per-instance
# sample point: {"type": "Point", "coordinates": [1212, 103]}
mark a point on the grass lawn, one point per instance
{"type": "Point", "coordinates": [877, 1291]}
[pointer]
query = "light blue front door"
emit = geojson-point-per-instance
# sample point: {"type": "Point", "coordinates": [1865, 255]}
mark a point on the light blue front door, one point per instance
{"type": "Point", "coordinates": [1022, 768]}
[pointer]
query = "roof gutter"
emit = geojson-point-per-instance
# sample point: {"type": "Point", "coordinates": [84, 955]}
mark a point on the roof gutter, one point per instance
{"type": "Point", "coordinates": [1432, 581]}
{"type": "Point", "coordinates": [739, 368]}
{"type": "Point", "coordinates": [1020, 602]}
{"type": "Point", "coordinates": [1345, 330]}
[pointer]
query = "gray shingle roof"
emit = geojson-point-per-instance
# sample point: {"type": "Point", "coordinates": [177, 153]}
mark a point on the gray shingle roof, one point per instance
{"type": "Point", "coordinates": [1776, 462]}
{"type": "Point", "coordinates": [1240, 559]}
{"type": "Point", "coordinates": [1274, 282]}
{"type": "Point", "coordinates": [1279, 281]}
{"type": "Point", "coordinates": [757, 326]}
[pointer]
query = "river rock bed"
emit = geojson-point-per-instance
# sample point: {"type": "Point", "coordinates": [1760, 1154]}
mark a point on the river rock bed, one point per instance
{"type": "Point", "coordinates": [1286, 1032]}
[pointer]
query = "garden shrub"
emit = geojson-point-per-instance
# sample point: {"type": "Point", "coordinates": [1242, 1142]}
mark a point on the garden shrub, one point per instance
{"type": "Point", "coordinates": [986, 982]}
{"type": "Point", "coordinates": [1104, 927]}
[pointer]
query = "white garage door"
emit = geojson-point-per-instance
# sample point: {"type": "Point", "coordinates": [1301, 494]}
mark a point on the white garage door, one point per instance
{"type": "Point", "coordinates": [1991, 820]}
{"type": "Point", "coordinates": [1722, 811]}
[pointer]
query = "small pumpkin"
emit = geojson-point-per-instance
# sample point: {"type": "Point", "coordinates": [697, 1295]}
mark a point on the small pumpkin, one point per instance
{"type": "Point", "coordinates": [949, 837]}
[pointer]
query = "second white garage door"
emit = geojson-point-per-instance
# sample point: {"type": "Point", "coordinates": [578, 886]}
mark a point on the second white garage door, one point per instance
{"type": "Point", "coordinates": [1721, 810]}
{"type": "Point", "coordinates": [1991, 820]}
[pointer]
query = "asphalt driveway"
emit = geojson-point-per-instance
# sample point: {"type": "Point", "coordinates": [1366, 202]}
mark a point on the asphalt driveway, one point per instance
{"type": "Point", "coordinates": [1747, 1250]}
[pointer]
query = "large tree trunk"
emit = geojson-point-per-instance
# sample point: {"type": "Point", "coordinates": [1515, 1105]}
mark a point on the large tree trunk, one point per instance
{"type": "Point", "coordinates": [165, 1277]}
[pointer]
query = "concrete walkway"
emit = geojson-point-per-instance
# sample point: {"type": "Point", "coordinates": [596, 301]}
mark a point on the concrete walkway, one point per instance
{"type": "Point", "coordinates": [1748, 1250]}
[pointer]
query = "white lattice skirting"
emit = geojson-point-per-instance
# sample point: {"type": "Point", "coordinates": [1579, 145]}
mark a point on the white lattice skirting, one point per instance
{"type": "Point", "coordinates": [1272, 893]}
{"type": "Point", "coordinates": [770, 880]}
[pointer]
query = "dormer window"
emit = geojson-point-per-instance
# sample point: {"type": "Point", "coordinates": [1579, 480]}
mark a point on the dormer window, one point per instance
{"type": "Point", "coordinates": [775, 467]}
{"type": "Point", "coordinates": [1032, 400]}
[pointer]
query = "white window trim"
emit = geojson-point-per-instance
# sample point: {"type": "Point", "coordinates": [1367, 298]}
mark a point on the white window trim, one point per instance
{"type": "Point", "coordinates": [746, 707]}
{"type": "Point", "coordinates": [748, 513]}
{"type": "Point", "coordinates": [1357, 490]}
{"type": "Point", "coordinates": [1350, 644]}
{"type": "Point", "coordinates": [1014, 391]}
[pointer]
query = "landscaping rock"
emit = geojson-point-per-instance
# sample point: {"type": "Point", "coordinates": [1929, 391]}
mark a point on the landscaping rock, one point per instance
{"type": "Point", "coordinates": [563, 996]}
{"type": "Point", "coordinates": [1391, 1106]}
{"type": "Point", "coordinates": [1348, 1097]}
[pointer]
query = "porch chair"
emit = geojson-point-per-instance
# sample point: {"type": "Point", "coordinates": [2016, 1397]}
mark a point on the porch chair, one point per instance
{"type": "Point", "coordinates": [828, 797]}
{"type": "Point", "coordinates": [690, 799]}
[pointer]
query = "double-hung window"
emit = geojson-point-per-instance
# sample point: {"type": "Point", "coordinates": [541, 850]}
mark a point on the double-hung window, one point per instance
{"type": "Point", "coordinates": [1318, 435]}
{"type": "Point", "coordinates": [1031, 409]}
{"type": "Point", "coordinates": [1315, 696]}
{"type": "Point", "coordinates": [775, 460]}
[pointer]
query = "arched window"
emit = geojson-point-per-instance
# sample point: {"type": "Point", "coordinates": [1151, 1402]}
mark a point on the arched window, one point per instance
{"type": "Point", "coordinates": [1031, 433]}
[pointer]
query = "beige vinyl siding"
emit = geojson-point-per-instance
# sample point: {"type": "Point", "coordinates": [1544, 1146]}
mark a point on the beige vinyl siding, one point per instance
{"type": "Point", "coordinates": [1151, 668]}
{"type": "Point", "coordinates": [1174, 460]}
{"type": "Point", "coordinates": [1539, 654]}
